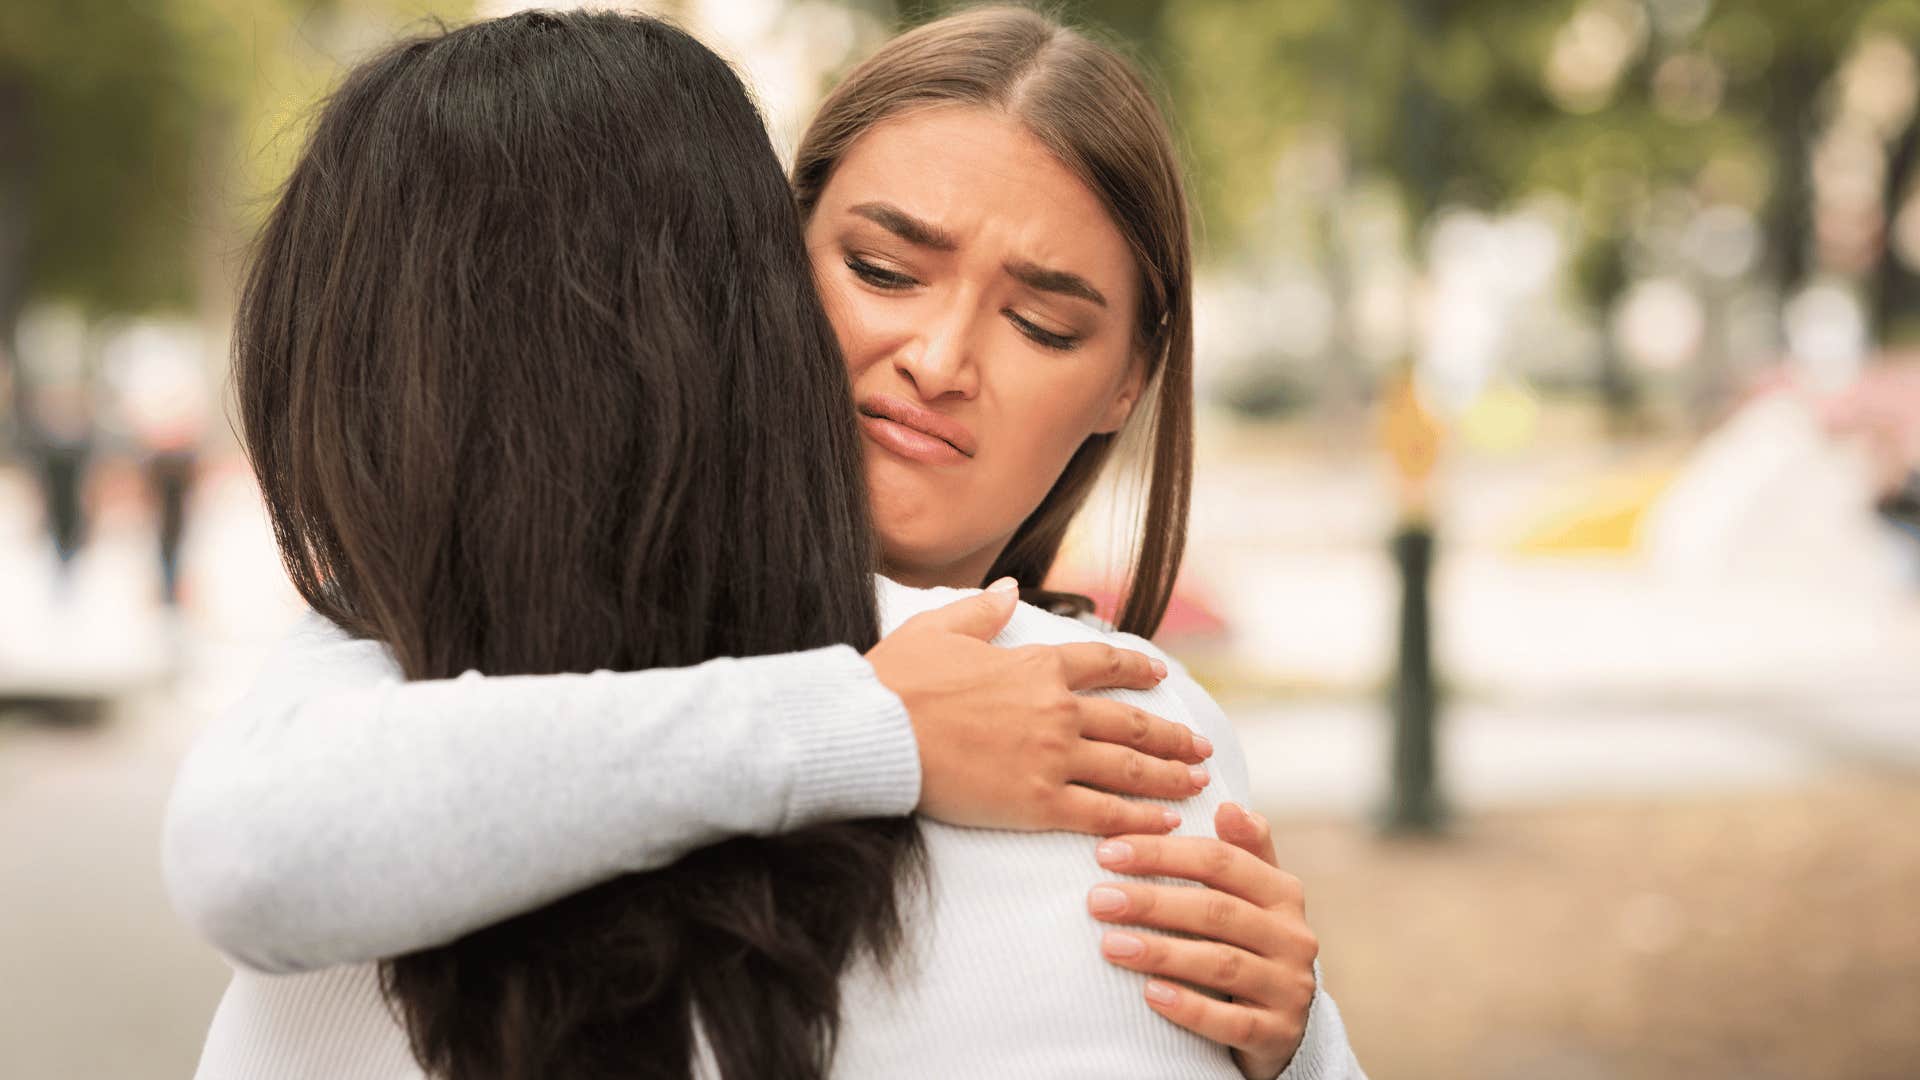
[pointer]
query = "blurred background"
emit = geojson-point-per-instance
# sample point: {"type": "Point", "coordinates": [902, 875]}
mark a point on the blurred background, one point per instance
{"type": "Point", "coordinates": [1554, 544]}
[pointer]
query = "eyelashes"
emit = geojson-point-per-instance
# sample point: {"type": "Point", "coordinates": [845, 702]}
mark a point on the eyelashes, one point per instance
{"type": "Point", "coordinates": [877, 277]}
{"type": "Point", "coordinates": [1046, 338]}
{"type": "Point", "coordinates": [893, 281]}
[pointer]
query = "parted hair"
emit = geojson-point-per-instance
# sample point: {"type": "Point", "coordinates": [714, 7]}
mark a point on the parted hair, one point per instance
{"type": "Point", "coordinates": [534, 379]}
{"type": "Point", "coordinates": [1090, 106]}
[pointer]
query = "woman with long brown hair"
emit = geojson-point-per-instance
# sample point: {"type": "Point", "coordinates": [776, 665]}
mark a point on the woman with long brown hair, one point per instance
{"type": "Point", "coordinates": [996, 351]}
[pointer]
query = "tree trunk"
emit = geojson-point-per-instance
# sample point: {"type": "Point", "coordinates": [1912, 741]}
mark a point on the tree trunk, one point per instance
{"type": "Point", "coordinates": [1895, 288]}
{"type": "Point", "coordinates": [1791, 124]}
{"type": "Point", "coordinates": [16, 184]}
{"type": "Point", "coordinates": [1605, 276]}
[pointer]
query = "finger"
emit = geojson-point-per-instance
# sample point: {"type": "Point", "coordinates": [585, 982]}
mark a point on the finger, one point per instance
{"type": "Point", "coordinates": [1097, 813]}
{"type": "Point", "coordinates": [1213, 863]}
{"type": "Point", "coordinates": [1089, 665]}
{"type": "Point", "coordinates": [1243, 1027]}
{"type": "Point", "coordinates": [1117, 722]}
{"type": "Point", "coordinates": [1130, 772]}
{"type": "Point", "coordinates": [1202, 963]}
{"type": "Point", "coordinates": [1207, 913]}
{"type": "Point", "coordinates": [1246, 830]}
{"type": "Point", "coordinates": [979, 616]}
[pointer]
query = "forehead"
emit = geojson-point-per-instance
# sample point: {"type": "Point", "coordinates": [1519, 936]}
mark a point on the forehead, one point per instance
{"type": "Point", "coordinates": [980, 174]}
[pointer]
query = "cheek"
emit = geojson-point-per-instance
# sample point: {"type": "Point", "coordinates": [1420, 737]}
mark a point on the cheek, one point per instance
{"type": "Point", "coordinates": [861, 342]}
{"type": "Point", "coordinates": [1035, 445]}
{"type": "Point", "coordinates": [853, 317]}
{"type": "Point", "coordinates": [1041, 422]}
{"type": "Point", "coordinates": [1050, 404]}
{"type": "Point", "coordinates": [838, 301]}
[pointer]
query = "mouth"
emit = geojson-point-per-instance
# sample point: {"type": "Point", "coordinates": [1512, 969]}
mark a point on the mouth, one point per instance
{"type": "Point", "coordinates": [915, 433]}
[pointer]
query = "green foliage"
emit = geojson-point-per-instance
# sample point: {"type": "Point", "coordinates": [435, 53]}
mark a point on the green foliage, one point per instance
{"type": "Point", "coordinates": [113, 95]}
{"type": "Point", "coordinates": [134, 112]}
{"type": "Point", "coordinates": [142, 126]}
{"type": "Point", "coordinates": [1449, 101]}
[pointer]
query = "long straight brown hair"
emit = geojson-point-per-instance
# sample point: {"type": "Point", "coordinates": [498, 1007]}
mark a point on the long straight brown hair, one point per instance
{"type": "Point", "coordinates": [1090, 107]}
{"type": "Point", "coordinates": [534, 378]}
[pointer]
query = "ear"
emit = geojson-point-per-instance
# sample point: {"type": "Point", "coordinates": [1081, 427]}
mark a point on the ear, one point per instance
{"type": "Point", "coordinates": [1131, 387]}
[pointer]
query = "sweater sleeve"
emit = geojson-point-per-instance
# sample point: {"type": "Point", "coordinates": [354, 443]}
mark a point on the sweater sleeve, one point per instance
{"type": "Point", "coordinates": [339, 814]}
{"type": "Point", "coordinates": [1324, 1052]}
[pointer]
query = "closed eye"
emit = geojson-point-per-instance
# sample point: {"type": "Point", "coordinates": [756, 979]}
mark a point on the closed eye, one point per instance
{"type": "Point", "coordinates": [878, 277]}
{"type": "Point", "coordinates": [1043, 337]}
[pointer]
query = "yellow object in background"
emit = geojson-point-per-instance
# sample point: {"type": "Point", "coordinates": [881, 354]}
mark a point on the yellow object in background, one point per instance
{"type": "Point", "coordinates": [1411, 434]}
{"type": "Point", "coordinates": [1504, 418]}
{"type": "Point", "coordinates": [1600, 517]}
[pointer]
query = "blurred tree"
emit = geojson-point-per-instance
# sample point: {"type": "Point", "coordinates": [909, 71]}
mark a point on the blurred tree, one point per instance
{"type": "Point", "coordinates": [1482, 102]}
{"type": "Point", "coordinates": [1894, 292]}
{"type": "Point", "coordinates": [98, 115]}
{"type": "Point", "coordinates": [102, 114]}
{"type": "Point", "coordinates": [117, 126]}
{"type": "Point", "coordinates": [1610, 103]}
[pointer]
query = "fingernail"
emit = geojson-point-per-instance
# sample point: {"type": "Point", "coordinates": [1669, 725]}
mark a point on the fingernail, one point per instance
{"type": "Point", "coordinates": [1106, 900]}
{"type": "Point", "coordinates": [1124, 946]}
{"type": "Point", "coordinates": [1172, 819]}
{"type": "Point", "coordinates": [1199, 775]}
{"type": "Point", "coordinates": [1004, 585]}
{"type": "Point", "coordinates": [1160, 993]}
{"type": "Point", "coordinates": [1159, 668]}
{"type": "Point", "coordinates": [1204, 745]}
{"type": "Point", "coordinates": [1114, 852]}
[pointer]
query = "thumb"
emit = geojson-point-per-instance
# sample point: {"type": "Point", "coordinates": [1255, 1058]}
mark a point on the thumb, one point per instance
{"type": "Point", "coordinates": [1245, 830]}
{"type": "Point", "coordinates": [980, 616]}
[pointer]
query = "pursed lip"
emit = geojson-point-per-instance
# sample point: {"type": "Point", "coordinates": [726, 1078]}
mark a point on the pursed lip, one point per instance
{"type": "Point", "coordinates": [925, 421]}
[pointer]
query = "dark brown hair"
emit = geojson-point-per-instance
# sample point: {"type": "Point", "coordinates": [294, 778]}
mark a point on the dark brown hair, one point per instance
{"type": "Point", "coordinates": [1090, 107]}
{"type": "Point", "coordinates": [534, 379]}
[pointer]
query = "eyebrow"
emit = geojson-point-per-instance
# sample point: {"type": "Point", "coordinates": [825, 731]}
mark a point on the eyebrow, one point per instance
{"type": "Point", "coordinates": [926, 234]}
{"type": "Point", "coordinates": [906, 226]}
{"type": "Point", "coordinates": [1042, 278]}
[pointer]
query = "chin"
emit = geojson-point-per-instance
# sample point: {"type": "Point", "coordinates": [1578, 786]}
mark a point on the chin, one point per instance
{"type": "Point", "coordinates": [920, 546]}
{"type": "Point", "coordinates": [905, 500]}
{"type": "Point", "coordinates": [915, 549]}
{"type": "Point", "coordinates": [923, 525]}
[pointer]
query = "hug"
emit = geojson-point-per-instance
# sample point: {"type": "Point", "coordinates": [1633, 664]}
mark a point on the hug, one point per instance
{"type": "Point", "coordinates": [682, 695]}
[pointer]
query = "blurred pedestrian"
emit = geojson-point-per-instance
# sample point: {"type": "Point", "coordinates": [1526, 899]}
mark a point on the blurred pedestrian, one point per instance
{"type": "Point", "coordinates": [60, 441]}
{"type": "Point", "coordinates": [162, 398]}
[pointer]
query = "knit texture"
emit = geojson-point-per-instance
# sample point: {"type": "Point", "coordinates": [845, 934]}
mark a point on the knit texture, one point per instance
{"type": "Point", "coordinates": [1002, 973]}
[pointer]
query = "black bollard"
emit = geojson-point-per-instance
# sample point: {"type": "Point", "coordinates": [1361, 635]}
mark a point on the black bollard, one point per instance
{"type": "Point", "coordinates": [1414, 804]}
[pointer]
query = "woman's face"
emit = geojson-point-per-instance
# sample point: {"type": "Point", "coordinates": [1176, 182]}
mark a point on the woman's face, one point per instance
{"type": "Point", "coordinates": [986, 305]}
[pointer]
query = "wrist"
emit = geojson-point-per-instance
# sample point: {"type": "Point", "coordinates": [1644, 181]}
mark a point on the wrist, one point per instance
{"type": "Point", "coordinates": [855, 753]}
{"type": "Point", "coordinates": [1260, 1068]}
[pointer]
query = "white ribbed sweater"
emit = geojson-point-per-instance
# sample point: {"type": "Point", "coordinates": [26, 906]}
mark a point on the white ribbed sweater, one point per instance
{"type": "Point", "coordinates": [1003, 972]}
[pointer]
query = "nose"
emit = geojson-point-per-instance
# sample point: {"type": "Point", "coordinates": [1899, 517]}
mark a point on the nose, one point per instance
{"type": "Point", "coordinates": [939, 361]}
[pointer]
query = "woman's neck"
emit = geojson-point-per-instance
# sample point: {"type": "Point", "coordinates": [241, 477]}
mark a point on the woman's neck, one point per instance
{"type": "Point", "coordinates": [967, 573]}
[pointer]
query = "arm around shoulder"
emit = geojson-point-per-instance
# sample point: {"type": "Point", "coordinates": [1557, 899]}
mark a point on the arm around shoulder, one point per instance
{"type": "Point", "coordinates": [338, 814]}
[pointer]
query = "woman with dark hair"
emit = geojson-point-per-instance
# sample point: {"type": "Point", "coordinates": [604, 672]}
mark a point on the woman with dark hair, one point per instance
{"type": "Point", "coordinates": [530, 388]}
{"type": "Point", "coordinates": [753, 957]}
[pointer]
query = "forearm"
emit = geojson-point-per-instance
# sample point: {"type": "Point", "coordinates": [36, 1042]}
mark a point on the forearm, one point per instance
{"type": "Point", "coordinates": [316, 826]}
